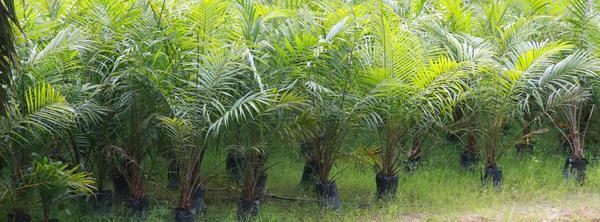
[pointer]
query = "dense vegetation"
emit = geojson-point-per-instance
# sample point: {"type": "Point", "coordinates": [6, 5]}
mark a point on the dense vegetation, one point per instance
{"type": "Point", "coordinates": [118, 100]}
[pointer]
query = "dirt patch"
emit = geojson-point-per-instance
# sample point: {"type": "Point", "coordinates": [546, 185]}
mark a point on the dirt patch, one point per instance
{"type": "Point", "coordinates": [551, 213]}
{"type": "Point", "coordinates": [473, 218]}
{"type": "Point", "coordinates": [411, 218]}
{"type": "Point", "coordinates": [574, 207]}
{"type": "Point", "coordinates": [570, 209]}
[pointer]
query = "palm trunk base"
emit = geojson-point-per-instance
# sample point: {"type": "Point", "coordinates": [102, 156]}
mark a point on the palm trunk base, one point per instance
{"type": "Point", "coordinates": [247, 210]}
{"type": "Point", "coordinates": [18, 216]}
{"type": "Point", "coordinates": [330, 198]}
{"type": "Point", "coordinates": [413, 163]}
{"type": "Point", "coordinates": [468, 160]}
{"type": "Point", "coordinates": [492, 175]}
{"type": "Point", "coordinates": [103, 200]}
{"type": "Point", "coordinates": [198, 204]}
{"type": "Point", "coordinates": [233, 165]}
{"type": "Point", "coordinates": [386, 186]}
{"type": "Point", "coordinates": [173, 175]}
{"type": "Point", "coordinates": [139, 208]}
{"type": "Point", "coordinates": [575, 169]}
{"type": "Point", "coordinates": [308, 179]}
{"type": "Point", "coordinates": [185, 215]}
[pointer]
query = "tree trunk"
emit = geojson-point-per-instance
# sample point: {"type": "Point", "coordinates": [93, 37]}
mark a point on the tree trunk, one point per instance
{"type": "Point", "coordinates": [469, 157]}
{"type": "Point", "coordinates": [46, 211]}
{"type": "Point", "coordinates": [415, 150]}
{"type": "Point", "coordinates": [388, 159]}
{"type": "Point", "coordinates": [526, 132]}
{"type": "Point", "coordinates": [185, 200]}
{"type": "Point", "coordinates": [577, 149]}
{"type": "Point", "coordinates": [490, 157]}
{"type": "Point", "coordinates": [471, 144]}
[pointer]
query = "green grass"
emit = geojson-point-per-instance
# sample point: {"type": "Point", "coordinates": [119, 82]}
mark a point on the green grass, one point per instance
{"type": "Point", "coordinates": [439, 191]}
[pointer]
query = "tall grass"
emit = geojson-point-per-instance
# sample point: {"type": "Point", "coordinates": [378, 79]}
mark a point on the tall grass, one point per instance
{"type": "Point", "coordinates": [439, 191]}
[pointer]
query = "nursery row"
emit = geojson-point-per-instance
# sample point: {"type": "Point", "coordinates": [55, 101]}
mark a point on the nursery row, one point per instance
{"type": "Point", "coordinates": [93, 91]}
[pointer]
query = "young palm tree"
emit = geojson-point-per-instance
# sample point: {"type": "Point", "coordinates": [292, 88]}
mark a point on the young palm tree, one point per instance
{"type": "Point", "coordinates": [532, 68]}
{"type": "Point", "coordinates": [317, 53]}
{"type": "Point", "coordinates": [197, 105]}
{"type": "Point", "coordinates": [263, 117]}
{"type": "Point", "coordinates": [410, 94]}
{"type": "Point", "coordinates": [568, 104]}
{"type": "Point", "coordinates": [502, 67]}
{"type": "Point", "coordinates": [330, 85]}
{"type": "Point", "coordinates": [31, 123]}
{"type": "Point", "coordinates": [54, 181]}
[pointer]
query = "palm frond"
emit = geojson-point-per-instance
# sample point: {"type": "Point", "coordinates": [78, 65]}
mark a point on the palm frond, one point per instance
{"type": "Point", "coordinates": [8, 55]}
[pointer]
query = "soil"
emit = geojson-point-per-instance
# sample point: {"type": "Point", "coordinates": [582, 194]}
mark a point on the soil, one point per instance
{"type": "Point", "coordinates": [566, 210]}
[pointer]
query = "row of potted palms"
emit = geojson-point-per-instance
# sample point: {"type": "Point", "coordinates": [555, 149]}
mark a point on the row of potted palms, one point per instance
{"type": "Point", "coordinates": [121, 85]}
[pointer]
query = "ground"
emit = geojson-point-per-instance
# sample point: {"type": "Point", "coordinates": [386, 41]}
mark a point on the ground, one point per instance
{"type": "Point", "coordinates": [534, 190]}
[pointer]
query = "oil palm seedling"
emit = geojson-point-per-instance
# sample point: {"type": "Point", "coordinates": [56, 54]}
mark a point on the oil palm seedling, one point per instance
{"type": "Point", "coordinates": [409, 94]}
{"type": "Point", "coordinates": [53, 182]}
{"type": "Point", "coordinates": [465, 129]}
{"type": "Point", "coordinates": [31, 122]}
{"type": "Point", "coordinates": [204, 81]}
{"type": "Point", "coordinates": [334, 106]}
{"type": "Point", "coordinates": [564, 102]}
{"type": "Point", "coordinates": [189, 152]}
{"type": "Point", "coordinates": [260, 117]}
{"type": "Point", "coordinates": [136, 101]}
{"type": "Point", "coordinates": [572, 113]}
{"type": "Point", "coordinates": [252, 20]}
{"type": "Point", "coordinates": [312, 66]}
{"type": "Point", "coordinates": [582, 18]}
{"type": "Point", "coordinates": [130, 86]}
{"type": "Point", "coordinates": [532, 67]}
{"type": "Point", "coordinates": [137, 135]}
{"type": "Point", "coordinates": [197, 105]}
{"type": "Point", "coordinates": [253, 183]}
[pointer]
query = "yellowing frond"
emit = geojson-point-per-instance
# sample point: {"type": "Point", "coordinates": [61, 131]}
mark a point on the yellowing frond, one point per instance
{"type": "Point", "coordinates": [40, 96]}
{"type": "Point", "coordinates": [538, 53]}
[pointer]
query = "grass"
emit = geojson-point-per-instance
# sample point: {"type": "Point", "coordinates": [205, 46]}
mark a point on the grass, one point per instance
{"type": "Point", "coordinates": [439, 191]}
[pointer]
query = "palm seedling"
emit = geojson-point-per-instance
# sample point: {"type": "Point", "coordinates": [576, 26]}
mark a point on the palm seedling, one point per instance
{"type": "Point", "coordinates": [531, 68]}
{"type": "Point", "coordinates": [131, 86]}
{"type": "Point", "coordinates": [567, 101]}
{"type": "Point", "coordinates": [261, 117]}
{"type": "Point", "coordinates": [574, 103]}
{"type": "Point", "coordinates": [501, 75]}
{"type": "Point", "coordinates": [136, 100]}
{"type": "Point", "coordinates": [30, 123]}
{"type": "Point", "coordinates": [408, 95]}
{"type": "Point", "coordinates": [464, 129]}
{"type": "Point", "coordinates": [197, 105]}
{"type": "Point", "coordinates": [39, 119]}
{"type": "Point", "coordinates": [53, 182]}
{"type": "Point", "coordinates": [137, 133]}
{"type": "Point", "coordinates": [188, 143]}
{"type": "Point", "coordinates": [332, 103]}
{"type": "Point", "coordinates": [572, 113]}
{"type": "Point", "coordinates": [295, 50]}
